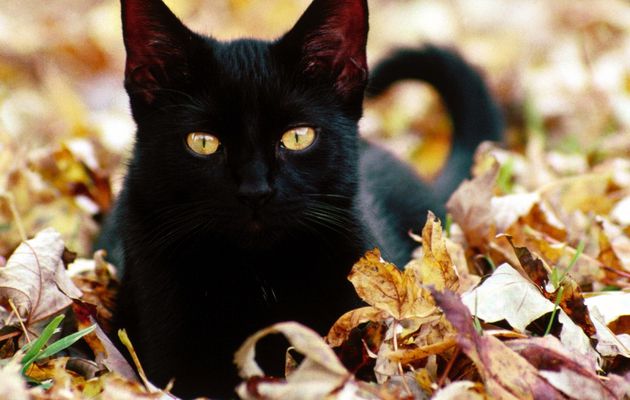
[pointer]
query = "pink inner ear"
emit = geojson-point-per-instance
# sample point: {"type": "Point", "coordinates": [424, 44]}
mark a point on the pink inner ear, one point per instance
{"type": "Point", "coordinates": [337, 46]}
{"type": "Point", "coordinates": [154, 38]}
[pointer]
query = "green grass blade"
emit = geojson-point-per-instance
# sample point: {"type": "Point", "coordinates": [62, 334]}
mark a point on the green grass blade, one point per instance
{"type": "Point", "coordinates": [447, 224]}
{"type": "Point", "coordinates": [555, 309]}
{"type": "Point", "coordinates": [33, 348]}
{"type": "Point", "coordinates": [505, 177]}
{"type": "Point", "coordinates": [578, 253]}
{"type": "Point", "coordinates": [64, 343]}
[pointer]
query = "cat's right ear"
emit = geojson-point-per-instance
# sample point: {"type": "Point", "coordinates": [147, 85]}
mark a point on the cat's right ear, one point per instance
{"type": "Point", "coordinates": [157, 46]}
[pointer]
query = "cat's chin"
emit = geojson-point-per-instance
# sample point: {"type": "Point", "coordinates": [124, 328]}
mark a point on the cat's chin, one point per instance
{"type": "Point", "coordinates": [257, 232]}
{"type": "Point", "coordinates": [254, 227]}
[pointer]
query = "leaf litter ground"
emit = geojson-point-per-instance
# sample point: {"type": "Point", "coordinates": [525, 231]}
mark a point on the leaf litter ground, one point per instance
{"type": "Point", "coordinates": [523, 293]}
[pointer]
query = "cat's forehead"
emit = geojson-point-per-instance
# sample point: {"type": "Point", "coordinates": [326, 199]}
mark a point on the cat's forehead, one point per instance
{"type": "Point", "coordinates": [245, 59]}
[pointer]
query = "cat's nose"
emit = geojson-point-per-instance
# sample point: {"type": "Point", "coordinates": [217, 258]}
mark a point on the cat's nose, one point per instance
{"type": "Point", "coordinates": [255, 196]}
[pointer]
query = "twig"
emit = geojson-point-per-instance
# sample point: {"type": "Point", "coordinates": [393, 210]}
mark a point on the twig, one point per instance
{"type": "Point", "coordinates": [450, 364]}
{"type": "Point", "coordinates": [9, 336]}
{"type": "Point", "coordinates": [17, 314]}
{"type": "Point", "coordinates": [400, 367]}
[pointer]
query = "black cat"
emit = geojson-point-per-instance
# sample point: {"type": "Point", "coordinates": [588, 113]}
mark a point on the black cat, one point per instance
{"type": "Point", "coordinates": [250, 195]}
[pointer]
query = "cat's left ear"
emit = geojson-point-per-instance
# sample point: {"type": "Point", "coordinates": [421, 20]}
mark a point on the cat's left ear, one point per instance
{"type": "Point", "coordinates": [330, 40]}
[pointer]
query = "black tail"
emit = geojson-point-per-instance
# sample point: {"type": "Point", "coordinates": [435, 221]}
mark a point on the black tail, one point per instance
{"type": "Point", "coordinates": [475, 115]}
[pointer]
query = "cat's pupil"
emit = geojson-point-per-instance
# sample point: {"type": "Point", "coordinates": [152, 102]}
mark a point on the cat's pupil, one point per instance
{"type": "Point", "coordinates": [202, 143]}
{"type": "Point", "coordinates": [298, 138]}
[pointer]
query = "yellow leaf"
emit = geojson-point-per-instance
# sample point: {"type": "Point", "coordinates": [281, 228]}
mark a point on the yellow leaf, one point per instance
{"type": "Point", "coordinates": [350, 320]}
{"type": "Point", "coordinates": [435, 267]}
{"type": "Point", "coordinates": [383, 286]}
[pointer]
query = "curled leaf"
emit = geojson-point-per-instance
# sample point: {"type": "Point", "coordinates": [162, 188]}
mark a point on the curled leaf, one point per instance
{"type": "Point", "coordinates": [318, 375]}
{"type": "Point", "coordinates": [506, 374]}
{"type": "Point", "coordinates": [35, 278]}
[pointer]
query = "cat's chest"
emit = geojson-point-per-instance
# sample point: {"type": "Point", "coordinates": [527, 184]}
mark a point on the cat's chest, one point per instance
{"type": "Point", "coordinates": [284, 284]}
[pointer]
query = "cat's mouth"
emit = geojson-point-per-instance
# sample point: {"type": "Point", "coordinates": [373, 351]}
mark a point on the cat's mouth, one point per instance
{"type": "Point", "coordinates": [254, 225]}
{"type": "Point", "coordinates": [255, 222]}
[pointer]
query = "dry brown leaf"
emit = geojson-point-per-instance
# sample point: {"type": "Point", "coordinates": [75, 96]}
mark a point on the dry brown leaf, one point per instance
{"type": "Point", "coordinates": [506, 210]}
{"type": "Point", "coordinates": [461, 390]}
{"type": "Point", "coordinates": [105, 352]}
{"type": "Point", "coordinates": [608, 311]}
{"type": "Point", "coordinates": [341, 329]}
{"type": "Point", "coordinates": [435, 267]}
{"type": "Point", "coordinates": [318, 375]}
{"type": "Point", "coordinates": [572, 301]}
{"type": "Point", "coordinates": [470, 206]}
{"type": "Point", "coordinates": [383, 286]}
{"type": "Point", "coordinates": [456, 252]}
{"type": "Point", "coordinates": [12, 385]}
{"type": "Point", "coordinates": [35, 278]}
{"type": "Point", "coordinates": [114, 387]}
{"type": "Point", "coordinates": [75, 174]}
{"type": "Point", "coordinates": [97, 280]}
{"type": "Point", "coordinates": [507, 295]}
{"type": "Point", "coordinates": [615, 246]}
{"type": "Point", "coordinates": [586, 270]}
{"type": "Point", "coordinates": [506, 375]}
{"type": "Point", "coordinates": [409, 356]}
{"type": "Point", "coordinates": [567, 371]}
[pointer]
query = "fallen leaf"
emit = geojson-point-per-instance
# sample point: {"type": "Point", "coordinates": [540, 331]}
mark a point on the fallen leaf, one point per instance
{"type": "Point", "coordinates": [611, 305]}
{"type": "Point", "coordinates": [609, 310]}
{"type": "Point", "coordinates": [615, 246]}
{"type": "Point", "coordinates": [470, 206]}
{"type": "Point", "coordinates": [409, 356]}
{"type": "Point", "coordinates": [562, 368]}
{"type": "Point", "coordinates": [97, 280]}
{"type": "Point", "coordinates": [572, 301]}
{"type": "Point", "coordinates": [507, 295]}
{"type": "Point", "coordinates": [341, 329]}
{"type": "Point", "coordinates": [435, 266]}
{"type": "Point", "coordinates": [35, 278]}
{"type": "Point", "coordinates": [505, 374]}
{"type": "Point", "coordinates": [12, 385]}
{"type": "Point", "coordinates": [383, 286]}
{"type": "Point", "coordinates": [318, 375]}
{"type": "Point", "coordinates": [506, 210]}
{"type": "Point", "coordinates": [576, 340]}
{"type": "Point", "coordinates": [608, 343]}
{"type": "Point", "coordinates": [461, 390]}
{"type": "Point", "coordinates": [456, 252]}
{"type": "Point", "coordinates": [105, 352]}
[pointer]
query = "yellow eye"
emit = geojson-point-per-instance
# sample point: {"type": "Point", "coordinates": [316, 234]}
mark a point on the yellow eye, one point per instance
{"type": "Point", "coordinates": [202, 143]}
{"type": "Point", "coordinates": [298, 138]}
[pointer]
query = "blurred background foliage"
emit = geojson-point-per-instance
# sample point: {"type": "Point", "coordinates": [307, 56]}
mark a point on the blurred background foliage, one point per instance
{"type": "Point", "coordinates": [559, 67]}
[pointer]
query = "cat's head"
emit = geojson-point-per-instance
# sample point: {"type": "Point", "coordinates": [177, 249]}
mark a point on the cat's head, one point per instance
{"type": "Point", "coordinates": [246, 138]}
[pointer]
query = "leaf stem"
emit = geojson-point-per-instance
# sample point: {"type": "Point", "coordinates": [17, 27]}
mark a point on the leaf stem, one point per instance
{"type": "Point", "coordinates": [14, 309]}
{"type": "Point", "coordinates": [400, 367]}
{"type": "Point", "coordinates": [448, 367]}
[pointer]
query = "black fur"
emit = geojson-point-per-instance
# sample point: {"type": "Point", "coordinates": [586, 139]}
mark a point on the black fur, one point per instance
{"type": "Point", "coordinates": [205, 264]}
